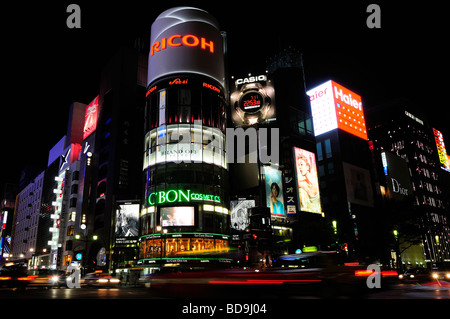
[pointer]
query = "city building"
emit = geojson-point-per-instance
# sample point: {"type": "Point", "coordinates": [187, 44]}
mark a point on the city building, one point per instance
{"type": "Point", "coordinates": [400, 132]}
{"type": "Point", "coordinates": [111, 164]}
{"type": "Point", "coordinates": [24, 234]}
{"type": "Point", "coordinates": [270, 214]}
{"type": "Point", "coordinates": [345, 169]}
{"type": "Point", "coordinates": [185, 213]}
{"type": "Point", "coordinates": [7, 206]}
{"type": "Point", "coordinates": [56, 208]}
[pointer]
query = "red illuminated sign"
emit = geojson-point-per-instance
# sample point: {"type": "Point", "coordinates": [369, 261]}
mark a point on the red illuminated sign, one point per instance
{"type": "Point", "coordinates": [178, 40]}
{"type": "Point", "coordinates": [334, 106]}
{"type": "Point", "coordinates": [150, 90]}
{"type": "Point", "coordinates": [349, 113]}
{"type": "Point", "coordinates": [211, 87]}
{"type": "Point", "coordinates": [252, 102]}
{"type": "Point", "coordinates": [90, 118]}
{"type": "Point", "coordinates": [442, 152]}
{"type": "Point", "coordinates": [179, 81]}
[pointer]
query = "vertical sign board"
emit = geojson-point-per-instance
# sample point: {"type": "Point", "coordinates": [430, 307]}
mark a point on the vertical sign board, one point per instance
{"type": "Point", "coordinates": [307, 181]}
{"type": "Point", "coordinates": [274, 191]}
{"type": "Point", "coordinates": [239, 213]}
{"type": "Point", "coordinates": [126, 229]}
{"type": "Point", "coordinates": [290, 194]}
{"type": "Point", "coordinates": [90, 118]}
{"type": "Point", "coordinates": [444, 159]}
{"type": "Point", "coordinates": [358, 185]}
{"type": "Point", "coordinates": [397, 177]}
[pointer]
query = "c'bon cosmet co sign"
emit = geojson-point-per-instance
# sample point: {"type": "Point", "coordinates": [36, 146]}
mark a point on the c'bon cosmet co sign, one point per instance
{"type": "Point", "coordinates": [180, 196]}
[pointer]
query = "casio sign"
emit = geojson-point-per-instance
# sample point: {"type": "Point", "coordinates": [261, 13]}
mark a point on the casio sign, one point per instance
{"type": "Point", "coordinates": [251, 79]}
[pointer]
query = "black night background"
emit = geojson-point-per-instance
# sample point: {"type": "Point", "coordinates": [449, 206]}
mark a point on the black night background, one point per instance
{"type": "Point", "coordinates": [47, 66]}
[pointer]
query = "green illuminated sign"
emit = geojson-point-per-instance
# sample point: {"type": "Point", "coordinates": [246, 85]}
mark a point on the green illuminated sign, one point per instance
{"type": "Point", "coordinates": [179, 196]}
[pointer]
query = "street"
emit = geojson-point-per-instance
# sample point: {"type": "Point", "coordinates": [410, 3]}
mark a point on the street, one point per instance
{"type": "Point", "coordinates": [95, 302]}
{"type": "Point", "coordinates": [395, 291]}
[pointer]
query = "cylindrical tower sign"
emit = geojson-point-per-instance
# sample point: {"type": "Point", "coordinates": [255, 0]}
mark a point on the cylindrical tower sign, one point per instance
{"type": "Point", "coordinates": [186, 214]}
{"type": "Point", "coordinates": [185, 40]}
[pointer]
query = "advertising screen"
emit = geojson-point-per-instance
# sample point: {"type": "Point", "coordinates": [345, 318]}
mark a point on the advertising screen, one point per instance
{"type": "Point", "coordinates": [333, 106]}
{"type": "Point", "coordinates": [397, 178]}
{"type": "Point", "coordinates": [274, 191]}
{"type": "Point", "coordinates": [239, 213]}
{"type": "Point", "coordinates": [307, 181]}
{"type": "Point", "coordinates": [358, 185]}
{"type": "Point", "coordinates": [186, 40]}
{"type": "Point", "coordinates": [127, 222]}
{"type": "Point", "coordinates": [252, 100]}
{"type": "Point", "coordinates": [444, 159]}
{"type": "Point", "coordinates": [90, 118]}
{"type": "Point", "coordinates": [177, 216]}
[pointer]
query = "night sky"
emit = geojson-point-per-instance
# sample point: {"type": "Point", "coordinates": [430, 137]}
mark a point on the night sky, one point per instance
{"type": "Point", "coordinates": [47, 66]}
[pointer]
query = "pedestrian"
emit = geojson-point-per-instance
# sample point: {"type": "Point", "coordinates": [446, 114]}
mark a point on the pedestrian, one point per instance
{"type": "Point", "coordinates": [120, 279]}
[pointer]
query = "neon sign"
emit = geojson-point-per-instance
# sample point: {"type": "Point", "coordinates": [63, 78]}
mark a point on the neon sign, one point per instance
{"type": "Point", "coordinates": [179, 196]}
{"type": "Point", "coordinates": [334, 106]}
{"type": "Point", "coordinates": [90, 118]}
{"type": "Point", "coordinates": [177, 40]}
{"type": "Point", "coordinates": [444, 159]}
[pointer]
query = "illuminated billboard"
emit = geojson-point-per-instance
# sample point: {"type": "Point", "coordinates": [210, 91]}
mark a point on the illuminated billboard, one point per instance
{"type": "Point", "coordinates": [444, 158]}
{"type": "Point", "coordinates": [252, 100]}
{"type": "Point", "coordinates": [239, 213]}
{"type": "Point", "coordinates": [274, 191]}
{"type": "Point", "coordinates": [397, 176]}
{"type": "Point", "coordinates": [185, 143]}
{"type": "Point", "coordinates": [333, 106]}
{"type": "Point", "coordinates": [90, 118]}
{"type": "Point", "coordinates": [127, 222]}
{"type": "Point", "coordinates": [178, 216]}
{"type": "Point", "coordinates": [186, 40]}
{"type": "Point", "coordinates": [307, 181]}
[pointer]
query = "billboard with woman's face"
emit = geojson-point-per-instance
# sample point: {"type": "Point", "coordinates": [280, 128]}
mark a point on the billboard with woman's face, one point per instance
{"type": "Point", "coordinates": [307, 181]}
{"type": "Point", "coordinates": [274, 191]}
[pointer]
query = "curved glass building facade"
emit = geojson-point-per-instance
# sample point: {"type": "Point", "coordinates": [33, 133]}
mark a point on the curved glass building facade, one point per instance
{"type": "Point", "coordinates": [185, 215]}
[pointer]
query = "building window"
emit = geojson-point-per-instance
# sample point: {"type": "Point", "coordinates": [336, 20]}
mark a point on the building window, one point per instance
{"type": "Point", "coordinates": [70, 230]}
{"type": "Point", "coordinates": [331, 168]}
{"type": "Point", "coordinates": [319, 151]}
{"type": "Point", "coordinates": [328, 148]}
{"type": "Point", "coordinates": [321, 170]}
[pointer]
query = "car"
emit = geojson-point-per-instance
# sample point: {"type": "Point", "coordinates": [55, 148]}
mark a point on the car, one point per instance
{"type": "Point", "coordinates": [97, 279]}
{"type": "Point", "coordinates": [47, 278]}
{"type": "Point", "coordinates": [415, 275]}
{"type": "Point", "coordinates": [14, 276]}
{"type": "Point", "coordinates": [440, 274]}
{"type": "Point", "coordinates": [323, 274]}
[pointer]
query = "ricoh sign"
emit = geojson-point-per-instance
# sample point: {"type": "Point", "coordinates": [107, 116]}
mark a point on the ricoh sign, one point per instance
{"type": "Point", "coordinates": [185, 40]}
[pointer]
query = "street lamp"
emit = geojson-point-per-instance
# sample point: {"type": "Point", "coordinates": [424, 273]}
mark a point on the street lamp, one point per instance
{"type": "Point", "coordinates": [397, 249]}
